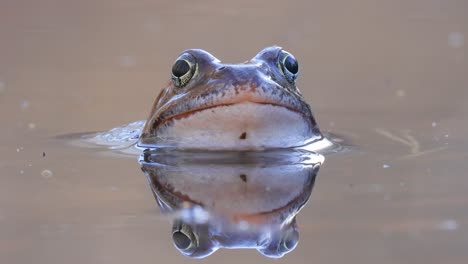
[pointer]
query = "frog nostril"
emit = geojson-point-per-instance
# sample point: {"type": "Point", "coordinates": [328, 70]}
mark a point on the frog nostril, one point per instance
{"type": "Point", "coordinates": [221, 68]}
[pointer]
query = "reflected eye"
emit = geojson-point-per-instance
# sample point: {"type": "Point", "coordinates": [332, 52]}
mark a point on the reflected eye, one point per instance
{"type": "Point", "coordinates": [289, 66]}
{"type": "Point", "coordinates": [183, 70]}
{"type": "Point", "coordinates": [181, 240]}
{"type": "Point", "coordinates": [184, 238]}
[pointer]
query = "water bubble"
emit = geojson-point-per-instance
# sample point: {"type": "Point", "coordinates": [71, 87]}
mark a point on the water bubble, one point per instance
{"type": "Point", "coordinates": [434, 124]}
{"type": "Point", "coordinates": [21, 171]}
{"type": "Point", "coordinates": [31, 126]}
{"type": "Point", "coordinates": [385, 166]}
{"type": "Point", "coordinates": [19, 149]}
{"type": "Point", "coordinates": [456, 40]}
{"type": "Point", "coordinates": [47, 174]}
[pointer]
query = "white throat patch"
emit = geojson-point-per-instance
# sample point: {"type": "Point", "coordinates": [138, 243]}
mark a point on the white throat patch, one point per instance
{"type": "Point", "coordinates": [243, 126]}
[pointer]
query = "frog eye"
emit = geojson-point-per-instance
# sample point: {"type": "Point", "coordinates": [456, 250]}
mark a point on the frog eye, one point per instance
{"type": "Point", "coordinates": [289, 66]}
{"type": "Point", "coordinates": [183, 70]}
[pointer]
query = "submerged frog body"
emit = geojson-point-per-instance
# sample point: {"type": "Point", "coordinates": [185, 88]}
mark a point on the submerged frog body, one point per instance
{"type": "Point", "coordinates": [215, 106]}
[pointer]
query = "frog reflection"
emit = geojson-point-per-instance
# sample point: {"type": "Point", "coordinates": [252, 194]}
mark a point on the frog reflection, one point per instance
{"type": "Point", "coordinates": [232, 200]}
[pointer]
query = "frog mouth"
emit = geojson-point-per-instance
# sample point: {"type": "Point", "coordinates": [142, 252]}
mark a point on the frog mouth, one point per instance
{"type": "Point", "coordinates": [236, 126]}
{"type": "Point", "coordinates": [195, 111]}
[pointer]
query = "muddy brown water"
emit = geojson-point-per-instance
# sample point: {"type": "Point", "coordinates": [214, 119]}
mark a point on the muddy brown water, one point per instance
{"type": "Point", "coordinates": [390, 77]}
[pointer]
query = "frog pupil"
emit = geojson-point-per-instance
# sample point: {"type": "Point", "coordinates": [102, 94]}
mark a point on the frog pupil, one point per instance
{"type": "Point", "coordinates": [291, 65]}
{"type": "Point", "coordinates": [180, 68]}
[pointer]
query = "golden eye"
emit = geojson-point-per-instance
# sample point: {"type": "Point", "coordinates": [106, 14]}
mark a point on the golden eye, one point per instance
{"type": "Point", "coordinates": [183, 70]}
{"type": "Point", "coordinates": [289, 66]}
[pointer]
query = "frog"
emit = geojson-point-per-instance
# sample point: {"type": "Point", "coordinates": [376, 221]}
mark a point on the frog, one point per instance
{"type": "Point", "coordinates": [211, 105]}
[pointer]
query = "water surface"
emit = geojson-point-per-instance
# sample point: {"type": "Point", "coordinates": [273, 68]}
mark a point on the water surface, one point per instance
{"type": "Point", "coordinates": [390, 78]}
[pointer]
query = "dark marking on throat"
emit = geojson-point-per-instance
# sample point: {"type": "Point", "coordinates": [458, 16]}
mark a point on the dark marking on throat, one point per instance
{"type": "Point", "coordinates": [243, 135]}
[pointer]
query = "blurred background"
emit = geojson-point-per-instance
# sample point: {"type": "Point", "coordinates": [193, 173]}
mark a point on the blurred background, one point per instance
{"type": "Point", "coordinates": [388, 76]}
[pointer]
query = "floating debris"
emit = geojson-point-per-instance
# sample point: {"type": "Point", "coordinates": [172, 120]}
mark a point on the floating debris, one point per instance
{"type": "Point", "coordinates": [43, 154]}
{"type": "Point", "coordinates": [434, 124]}
{"type": "Point", "coordinates": [31, 126]}
{"type": "Point", "coordinates": [385, 166]}
{"type": "Point", "coordinates": [19, 149]}
{"type": "Point", "coordinates": [405, 139]}
{"type": "Point", "coordinates": [47, 174]}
